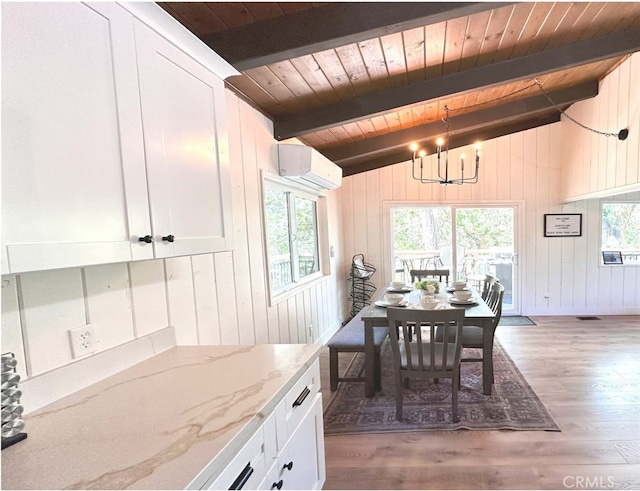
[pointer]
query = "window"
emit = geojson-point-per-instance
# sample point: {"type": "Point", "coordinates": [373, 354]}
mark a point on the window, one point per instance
{"type": "Point", "coordinates": [291, 218]}
{"type": "Point", "coordinates": [621, 231]}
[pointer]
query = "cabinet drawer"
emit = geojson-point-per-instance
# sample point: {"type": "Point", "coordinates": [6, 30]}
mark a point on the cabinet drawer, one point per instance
{"type": "Point", "coordinates": [249, 467]}
{"type": "Point", "coordinates": [300, 463]}
{"type": "Point", "coordinates": [298, 400]}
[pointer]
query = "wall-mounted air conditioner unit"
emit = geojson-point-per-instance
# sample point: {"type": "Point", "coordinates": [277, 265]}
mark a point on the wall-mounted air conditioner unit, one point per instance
{"type": "Point", "coordinates": [308, 166]}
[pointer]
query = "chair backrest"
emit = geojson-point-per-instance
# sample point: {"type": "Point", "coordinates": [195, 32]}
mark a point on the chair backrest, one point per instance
{"type": "Point", "coordinates": [413, 340]}
{"type": "Point", "coordinates": [419, 274]}
{"type": "Point", "coordinates": [494, 300]}
{"type": "Point", "coordinates": [489, 280]}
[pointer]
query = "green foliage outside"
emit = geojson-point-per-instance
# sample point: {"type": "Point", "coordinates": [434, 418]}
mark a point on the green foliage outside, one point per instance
{"type": "Point", "coordinates": [621, 226]}
{"type": "Point", "coordinates": [283, 243]}
{"type": "Point", "coordinates": [429, 229]}
{"type": "Point", "coordinates": [277, 222]}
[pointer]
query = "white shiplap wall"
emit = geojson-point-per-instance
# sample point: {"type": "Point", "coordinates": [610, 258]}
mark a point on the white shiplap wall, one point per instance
{"type": "Point", "coordinates": [209, 299]}
{"type": "Point", "coordinates": [599, 166]}
{"type": "Point", "coordinates": [524, 168]}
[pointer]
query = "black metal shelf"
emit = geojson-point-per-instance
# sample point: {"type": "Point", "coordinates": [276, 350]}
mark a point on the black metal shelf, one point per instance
{"type": "Point", "coordinates": [362, 288]}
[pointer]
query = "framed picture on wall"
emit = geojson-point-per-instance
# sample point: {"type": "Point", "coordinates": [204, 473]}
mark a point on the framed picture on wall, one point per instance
{"type": "Point", "coordinates": [563, 225]}
{"type": "Point", "coordinates": [612, 257]}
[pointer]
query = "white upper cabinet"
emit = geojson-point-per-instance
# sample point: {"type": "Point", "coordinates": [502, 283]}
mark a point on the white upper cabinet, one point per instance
{"type": "Point", "coordinates": [81, 184]}
{"type": "Point", "coordinates": [73, 175]}
{"type": "Point", "coordinates": [186, 149]}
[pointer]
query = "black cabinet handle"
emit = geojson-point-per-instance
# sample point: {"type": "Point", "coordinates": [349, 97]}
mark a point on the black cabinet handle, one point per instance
{"type": "Point", "coordinates": [277, 485]}
{"type": "Point", "coordinates": [288, 466]}
{"type": "Point", "coordinates": [303, 395]}
{"type": "Point", "coordinates": [169, 238]}
{"type": "Point", "coordinates": [147, 239]}
{"type": "Point", "coordinates": [244, 476]}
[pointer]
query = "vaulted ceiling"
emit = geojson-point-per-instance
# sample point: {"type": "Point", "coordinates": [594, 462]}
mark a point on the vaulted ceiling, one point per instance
{"type": "Point", "coordinates": [361, 81]}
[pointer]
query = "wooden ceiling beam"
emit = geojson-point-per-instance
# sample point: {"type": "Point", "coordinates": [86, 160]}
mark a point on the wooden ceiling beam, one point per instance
{"type": "Point", "coordinates": [465, 123]}
{"type": "Point", "coordinates": [328, 27]}
{"type": "Point", "coordinates": [528, 66]}
{"type": "Point", "coordinates": [457, 141]}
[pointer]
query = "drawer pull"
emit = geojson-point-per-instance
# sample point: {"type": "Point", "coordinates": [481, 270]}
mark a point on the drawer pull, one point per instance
{"type": "Point", "coordinates": [244, 476]}
{"type": "Point", "coordinates": [277, 485]}
{"type": "Point", "coordinates": [168, 238]}
{"type": "Point", "coordinates": [147, 239]}
{"type": "Point", "coordinates": [303, 395]}
{"type": "Point", "coordinates": [288, 466]}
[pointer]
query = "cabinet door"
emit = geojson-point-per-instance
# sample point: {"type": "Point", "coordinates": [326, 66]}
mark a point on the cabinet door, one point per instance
{"type": "Point", "coordinates": [302, 461]}
{"type": "Point", "coordinates": [186, 149]}
{"type": "Point", "coordinates": [73, 174]}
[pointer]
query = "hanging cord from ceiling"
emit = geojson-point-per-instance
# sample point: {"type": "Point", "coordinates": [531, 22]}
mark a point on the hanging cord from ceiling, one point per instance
{"type": "Point", "coordinates": [622, 134]}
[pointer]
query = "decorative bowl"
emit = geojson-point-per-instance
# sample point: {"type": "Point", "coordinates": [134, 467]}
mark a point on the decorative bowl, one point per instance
{"type": "Point", "coordinates": [462, 295]}
{"type": "Point", "coordinates": [393, 298]}
{"type": "Point", "coordinates": [428, 303]}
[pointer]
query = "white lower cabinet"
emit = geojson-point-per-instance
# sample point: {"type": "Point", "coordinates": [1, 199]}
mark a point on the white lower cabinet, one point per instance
{"type": "Point", "coordinates": [287, 451]}
{"type": "Point", "coordinates": [300, 464]}
{"type": "Point", "coordinates": [250, 465]}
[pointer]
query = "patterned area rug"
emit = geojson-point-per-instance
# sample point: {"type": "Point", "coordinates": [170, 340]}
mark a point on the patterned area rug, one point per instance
{"type": "Point", "coordinates": [427, 406]}
{"type": "Point", "coordinates": [516, 320]}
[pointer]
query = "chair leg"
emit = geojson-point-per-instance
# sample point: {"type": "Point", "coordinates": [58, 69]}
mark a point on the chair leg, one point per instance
{"type": "Point", "coordinates": [333, 369]}
{"type": "Point", "coordinates": [377, 370]}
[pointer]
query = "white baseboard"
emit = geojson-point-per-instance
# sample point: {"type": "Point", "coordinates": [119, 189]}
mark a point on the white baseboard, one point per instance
{"type": "Point", "coordinates": [584, 311]}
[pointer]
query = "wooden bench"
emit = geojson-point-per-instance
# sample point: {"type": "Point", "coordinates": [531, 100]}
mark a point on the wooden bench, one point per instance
{"type": "Point", "coordinates": [350, 339]}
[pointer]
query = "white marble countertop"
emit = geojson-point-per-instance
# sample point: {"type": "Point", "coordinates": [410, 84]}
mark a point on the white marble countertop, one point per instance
{"type": "Point", "coordinates": [158, 424]}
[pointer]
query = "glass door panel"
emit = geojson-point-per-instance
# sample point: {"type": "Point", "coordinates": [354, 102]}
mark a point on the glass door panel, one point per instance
{"type": "Point", "coordinates": [418, 235]}
{"type": "Point", "coordinates": [485, 245]}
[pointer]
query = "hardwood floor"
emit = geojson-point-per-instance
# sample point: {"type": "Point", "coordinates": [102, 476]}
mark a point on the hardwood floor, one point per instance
{"type": "Point", "coordinates": [587, 373]}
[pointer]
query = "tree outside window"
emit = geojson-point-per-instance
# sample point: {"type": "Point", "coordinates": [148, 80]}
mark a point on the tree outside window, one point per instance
{"type": "Point", "coordinates": [292, 236]}
{"type": "Point", "coordinates": [621, 230]}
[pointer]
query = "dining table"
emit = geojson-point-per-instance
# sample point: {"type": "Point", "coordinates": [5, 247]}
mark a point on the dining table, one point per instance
{"type": "Point", "coordinates": [476, 314]}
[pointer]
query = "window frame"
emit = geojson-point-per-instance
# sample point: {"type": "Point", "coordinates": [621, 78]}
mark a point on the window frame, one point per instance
{"type": "Point", "coordinates": [601, 248]}
{"type": "Point", "coordinates": [298, 284]}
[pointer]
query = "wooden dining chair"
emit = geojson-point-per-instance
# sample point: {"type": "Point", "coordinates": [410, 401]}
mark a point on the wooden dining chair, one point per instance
{"type": "Point", "coordinates": [420, 355]}
{"type": "Point", "coordinates": [419, 274]}
{"type": "Point", "coordinates": [473, 336]}
{"type": "Point", "coordinates": [488, 282]}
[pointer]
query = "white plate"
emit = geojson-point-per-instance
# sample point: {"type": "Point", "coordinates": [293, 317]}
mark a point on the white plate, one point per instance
{"type": "Point", "coordinates": [471, 301]}
{"type": "Point", "coordinates": [385, 304]}
{"type": "Point", "coordinates": [406, 289]}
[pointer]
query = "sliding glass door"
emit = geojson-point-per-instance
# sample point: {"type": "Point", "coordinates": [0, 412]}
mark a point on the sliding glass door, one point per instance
{"type": "Point", "coordinates": [469, 241]}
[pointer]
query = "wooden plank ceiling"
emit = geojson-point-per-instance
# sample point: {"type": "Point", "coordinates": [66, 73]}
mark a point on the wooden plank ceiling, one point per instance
{"type": "Point", "coordinates": [361, 81]}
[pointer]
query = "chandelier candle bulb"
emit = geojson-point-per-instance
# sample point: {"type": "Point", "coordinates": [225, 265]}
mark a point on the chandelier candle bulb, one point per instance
{"type": "Point", "coordinates": [442, 164]}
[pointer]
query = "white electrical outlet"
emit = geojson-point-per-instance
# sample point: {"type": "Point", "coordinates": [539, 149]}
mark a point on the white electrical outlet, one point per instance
{"type": "Point", "coordinates": [83, 340]}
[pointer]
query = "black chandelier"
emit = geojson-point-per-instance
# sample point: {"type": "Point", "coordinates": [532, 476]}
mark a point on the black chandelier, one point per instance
{"type": "Point", "coordinates": [418, 155]}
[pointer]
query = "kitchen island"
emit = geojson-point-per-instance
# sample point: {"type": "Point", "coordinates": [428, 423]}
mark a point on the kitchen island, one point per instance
{"type": "Point", "coordinates": [174, 421]}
